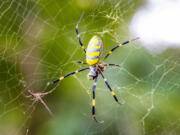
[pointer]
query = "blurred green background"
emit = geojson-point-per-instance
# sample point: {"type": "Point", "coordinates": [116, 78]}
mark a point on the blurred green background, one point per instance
{"type": "Point", "coordinates": [38, 44]}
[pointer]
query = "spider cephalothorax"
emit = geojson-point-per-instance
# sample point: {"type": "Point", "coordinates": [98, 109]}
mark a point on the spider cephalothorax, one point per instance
{"type": "Point", "coordinates": [96, 67]}
{"type": "Point", "coordinates": [95, 71]}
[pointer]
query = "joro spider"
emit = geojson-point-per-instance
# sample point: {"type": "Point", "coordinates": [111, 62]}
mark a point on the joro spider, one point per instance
{"type": "Point", "coordinates": [93, 53]}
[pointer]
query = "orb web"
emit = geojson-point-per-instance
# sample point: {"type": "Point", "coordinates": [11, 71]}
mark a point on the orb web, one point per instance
{"type": "Point", "coordinates": [39, 44]}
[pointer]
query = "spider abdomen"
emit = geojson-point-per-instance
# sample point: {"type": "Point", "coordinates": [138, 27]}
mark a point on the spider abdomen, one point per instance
{"type": "Point", "coordinates": [94, 50]}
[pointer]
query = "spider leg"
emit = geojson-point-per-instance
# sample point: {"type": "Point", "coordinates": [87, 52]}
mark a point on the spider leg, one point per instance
{"type": "Point", "coordinates": [78, 35]}
{"type": "Point", "coordinates": [114, 65]}
{"type": "Point", "coordinates": [93, 102]}
{"type": "Point", "coordinates": [112, 92]}
{"type": "Point", "coordinates": [47, 108]}
{"type": "Point", "coordinates": [50, 91]}
{"type": "Point", "coordinates": [69, 74]}
{"type": "Point", "coordinates": [117, 46]}
{"type": "Point", "coordinates": [81, 62]}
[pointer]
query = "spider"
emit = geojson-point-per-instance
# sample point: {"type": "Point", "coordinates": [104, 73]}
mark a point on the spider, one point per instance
{"type": "Point", "coordinates": [95, 66]}
{"type": "Point", "coordinates": [38, 97]}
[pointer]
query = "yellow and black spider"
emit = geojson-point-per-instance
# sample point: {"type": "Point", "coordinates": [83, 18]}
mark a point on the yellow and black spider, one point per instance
{"type": "Point", "coordinates": [93, 53]}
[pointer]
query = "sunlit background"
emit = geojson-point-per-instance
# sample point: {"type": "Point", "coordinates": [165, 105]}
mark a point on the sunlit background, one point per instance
{"type": "Point", "coordinates": [38, 44]}
{"type": "Point", "coordinates": [157, 23]}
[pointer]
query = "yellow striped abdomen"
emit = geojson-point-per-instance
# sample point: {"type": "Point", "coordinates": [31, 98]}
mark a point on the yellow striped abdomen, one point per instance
{"type": "Point", "coordinates": [94, 50]}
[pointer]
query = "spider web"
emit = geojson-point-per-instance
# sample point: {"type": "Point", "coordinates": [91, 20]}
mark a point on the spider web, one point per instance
{"type": "Point", "coordinates": [39, 44]}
